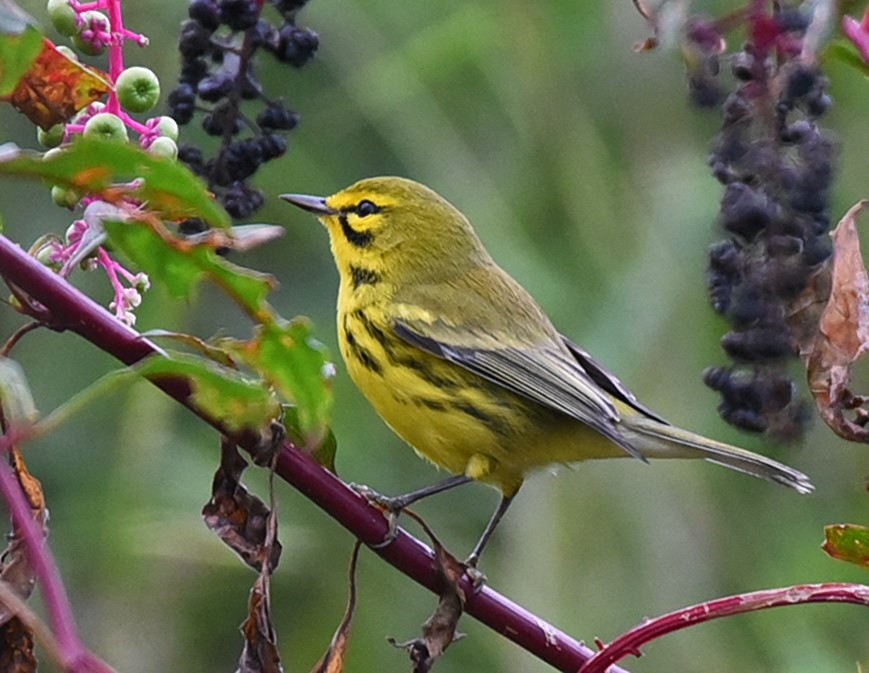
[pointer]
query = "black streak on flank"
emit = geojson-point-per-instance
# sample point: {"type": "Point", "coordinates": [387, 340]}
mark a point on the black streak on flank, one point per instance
{"type": "Point", "coordinates": [359, 239]}
{"type": "Point", "coordinates": [495, 424]}
{"type": "Point", "coordinates": [363, 355]}
{"type": "Point", "coordinates": [361, 276]}
{"type": "Point", "coordinates": [375, 333]}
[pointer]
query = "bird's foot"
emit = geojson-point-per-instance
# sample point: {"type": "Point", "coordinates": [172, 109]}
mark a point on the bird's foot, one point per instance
{"type": "Point", "coordinates": [391, 508]}
{"type": "Point", "coordinates": [477, 578]}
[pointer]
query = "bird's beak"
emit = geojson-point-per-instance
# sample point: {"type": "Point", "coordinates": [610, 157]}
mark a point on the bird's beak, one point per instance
{"type": "Point", "coordinates": [313, 204]}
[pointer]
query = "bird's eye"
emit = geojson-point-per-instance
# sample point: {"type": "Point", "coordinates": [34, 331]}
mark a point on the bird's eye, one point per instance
{"type": "Point", "coordinates": [366, 208]}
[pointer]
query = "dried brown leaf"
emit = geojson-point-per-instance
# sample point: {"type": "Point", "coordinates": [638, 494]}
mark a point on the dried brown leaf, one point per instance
{"type": "Point", "coordinates": [16, 648]}
{"type": "Point", "coordinates": [439, 630]}
{"type": "Point", "coordinates": [842, 336]}
{"type": "Point", "coordinates": [260, 653]}
{"type": "Point", "coordinates": [238, 517]}
{"type": "Point", "coordinates": [333, 659]}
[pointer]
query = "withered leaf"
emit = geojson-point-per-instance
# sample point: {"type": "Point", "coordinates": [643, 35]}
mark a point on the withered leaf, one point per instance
{"type": "Point", "coordinates": [439, 630]}
{"type": "Point", "coordinates": [332, 660]}
{"type": "Point", "coordinates": [842, 336]}
{"type": "Point", "coordinates": [260, 653]}
{"type": "Point", "coordinates": [238, 517]}
{"type": "Point", "coordinates": [16, 648]}
{"type": "Point", "coordinates": [56, 87]}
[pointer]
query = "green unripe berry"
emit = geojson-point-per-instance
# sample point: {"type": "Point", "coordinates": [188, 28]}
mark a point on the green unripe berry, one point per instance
{"type": "Point", "coordinates": [64, 196]}
{"type": "Point", "coordinates": [138, 89]}
{"type": "Point", "coordinates": [92, 20]}
{"type": "Point", "coordinates": [168, 128]}
{"type": "Point", "coordinates": [164, 147]}
{"type": "Point", "coordinates": [45, 256]}
{"type": "Point", "coordinates": [52, 137]}
{"type": "Point", "coordinates": [107, 126]}
{"type": "Point", "coordinates": [62, 17]}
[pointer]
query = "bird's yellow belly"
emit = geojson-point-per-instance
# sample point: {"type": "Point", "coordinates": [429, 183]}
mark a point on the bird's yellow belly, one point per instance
{"type": "Point", "coordinates": [453, 417]}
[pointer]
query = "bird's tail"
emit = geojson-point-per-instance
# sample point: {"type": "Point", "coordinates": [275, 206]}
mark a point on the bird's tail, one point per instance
{"type": "Point", "coordinates": [658, 440]}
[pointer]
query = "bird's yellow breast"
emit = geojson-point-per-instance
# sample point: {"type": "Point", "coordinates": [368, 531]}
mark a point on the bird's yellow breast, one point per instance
{"type": "Point", "coordinates": [450, 416]}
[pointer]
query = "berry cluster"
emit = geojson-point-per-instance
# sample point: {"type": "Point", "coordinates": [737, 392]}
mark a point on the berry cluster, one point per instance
{"type": "Point", "coordinates": [217, 45]}
{"type": "Point", "coordinates": [776, 167]}
{"type": "Point", "coordinates": [95, 27]}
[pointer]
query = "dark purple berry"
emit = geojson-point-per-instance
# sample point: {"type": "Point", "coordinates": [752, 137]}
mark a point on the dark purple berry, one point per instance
{"type": "Point", "coordinates": [276, 116]}
{"type": "Point", "coordinates": [296, 46]}
{"type": "Point", "coordinates": [241, 201]}
{"type": "Point", "coordinates": [239, 14]}
{"type": "Point", "coordinates": [214, 87]}
{"type": "Point", "coordinates": [194, 40]}
{"type": "Point", "coordinates": [272, 146]}
{"type": "Point", "coordinates": [206, 13]}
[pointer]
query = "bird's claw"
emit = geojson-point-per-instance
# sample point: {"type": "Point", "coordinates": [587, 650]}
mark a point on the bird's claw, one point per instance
{"type": "Point", "coordinates": [391, 508]}
{"type": "Point", "coordinates": [477, 578]}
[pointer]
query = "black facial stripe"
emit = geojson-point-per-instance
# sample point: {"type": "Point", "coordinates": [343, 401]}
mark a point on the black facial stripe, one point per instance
{"type": "Point", "coordinates": [361, 276]}
{"type": "Point", "coordinates": [359, 239]}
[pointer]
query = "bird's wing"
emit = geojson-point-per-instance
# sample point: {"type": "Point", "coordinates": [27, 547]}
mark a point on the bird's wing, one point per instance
{"type": "Point", "coordinates": [545, 374]}
{"type": "Point", "coordinates": [608, 381]}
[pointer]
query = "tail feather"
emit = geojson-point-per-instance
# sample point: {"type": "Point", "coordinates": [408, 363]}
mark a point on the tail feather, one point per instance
{"type": "Point", "coordinates": [657, 440]}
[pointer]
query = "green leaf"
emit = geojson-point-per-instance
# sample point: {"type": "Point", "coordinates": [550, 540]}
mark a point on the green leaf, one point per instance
{"type": "Point", "coordinates": [181, 265]}
{"type": "Point", "coordinates": [297, 365]}
{"type": "Point", "coordinates": [219, 392]}
{"type": "Point", "coordinates": [848, 542]}
{"type": "Point", "coordinates": [324, 452]}
{"type": "Point", "coordinates": [844, 51]}
{"type": "Point", "coordinates": [93, 165]}
{"type": "Point", "coordinates": [18, 51]}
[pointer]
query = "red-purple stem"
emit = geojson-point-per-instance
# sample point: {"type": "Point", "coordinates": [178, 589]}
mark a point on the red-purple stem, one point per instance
{"type": "Point", "coordinates": [71, 310]}
{"type": "Point", "coordinates": [631, 641]}
{"type": "Point", "coordinates": [76, 658]}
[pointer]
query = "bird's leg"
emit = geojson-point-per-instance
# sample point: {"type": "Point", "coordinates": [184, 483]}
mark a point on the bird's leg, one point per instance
{"type": "Point", "coordinates": [392, 505]}
{"type": "Point", "coordinates": [474, 558]}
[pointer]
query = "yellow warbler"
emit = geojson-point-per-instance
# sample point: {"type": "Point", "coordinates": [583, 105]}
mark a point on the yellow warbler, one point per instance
{"type": "Point", "coordinates": [464, 365]}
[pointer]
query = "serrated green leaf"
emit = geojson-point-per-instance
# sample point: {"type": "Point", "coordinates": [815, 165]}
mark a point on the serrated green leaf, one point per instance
{"type": "Point", "coordinates": [18, 51]}
{"type": "Point", "coordinates": [181, 265]}
{"type": "Point", "coordinates": [297, 365]}
{"type": "Point", "coordinates": [848, 542]}
{"type": "Point", "coordinates": [238, 402]}
{"type": "Point", "coordinates": [92, 165]}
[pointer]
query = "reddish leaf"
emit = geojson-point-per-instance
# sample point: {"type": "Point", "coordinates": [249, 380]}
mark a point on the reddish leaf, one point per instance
{"type": "Point", "coordinates": [56, 87]}
{"type": "Point", "coordinates": [333, 659]}
{"type": "Point", "coordinates": [847, 542]}
{"type": "Point", "coordinates": [237, 517]}
{"type": "Point", "coordinates": [842, 336]}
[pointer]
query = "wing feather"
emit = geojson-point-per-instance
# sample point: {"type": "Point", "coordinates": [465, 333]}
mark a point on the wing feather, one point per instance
{"type": "Point", "coordinates": [547, 375]}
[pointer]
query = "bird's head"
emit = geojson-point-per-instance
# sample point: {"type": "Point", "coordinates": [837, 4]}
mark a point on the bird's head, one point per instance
{"type": "Point", "coordinates": [396, 226]}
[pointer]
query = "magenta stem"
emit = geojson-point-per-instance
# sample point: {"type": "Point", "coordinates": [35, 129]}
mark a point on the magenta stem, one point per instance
{"type": "Point", "coordinates": [631, 641]}
{"type": "Point", "coordinates": [54, 594]}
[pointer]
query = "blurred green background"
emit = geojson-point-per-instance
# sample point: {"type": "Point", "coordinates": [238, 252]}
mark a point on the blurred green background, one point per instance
{"type": "Point", "coordinates": [583, 168]}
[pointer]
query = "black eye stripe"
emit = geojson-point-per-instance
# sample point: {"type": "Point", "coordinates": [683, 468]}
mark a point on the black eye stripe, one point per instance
{"type": "Point", "coordinates": [356, 238]}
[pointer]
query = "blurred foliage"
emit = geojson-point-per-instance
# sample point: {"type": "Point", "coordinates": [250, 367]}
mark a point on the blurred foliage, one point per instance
{"type": "Point", "coordinates": [584, 171]}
